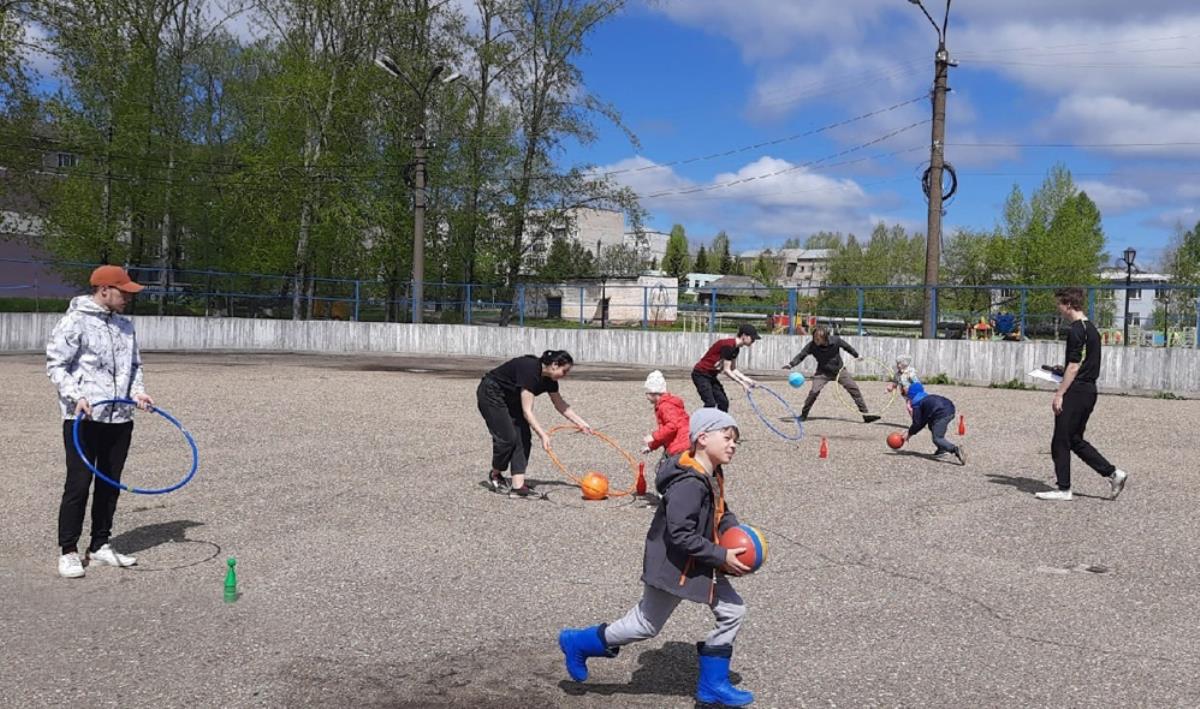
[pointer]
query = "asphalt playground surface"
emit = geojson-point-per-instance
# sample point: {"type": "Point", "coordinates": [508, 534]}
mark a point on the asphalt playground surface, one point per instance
{"type": "Point", "coordinates": [376, 570]}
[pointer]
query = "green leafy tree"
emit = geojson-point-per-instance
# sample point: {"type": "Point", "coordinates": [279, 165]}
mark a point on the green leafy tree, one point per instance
{"type": "Point", "coordinates": [701, 265]}
{"type": "Point", "coordinates": [823, 240]}
{"type": "Point", "coordinates": [720, 250]}
{"type": "Point", "coordinates": [620, 260]}
{"type": "Point", "coordinates": [675, 260]}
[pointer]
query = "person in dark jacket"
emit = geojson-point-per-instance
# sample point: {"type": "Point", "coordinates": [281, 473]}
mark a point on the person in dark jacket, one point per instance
{"type": "Point", "coordinates": [826, 349]}
{"type": "Point", "coordinates": [683, 561]}
{"type": "Point", "coordinates": [936, 412]}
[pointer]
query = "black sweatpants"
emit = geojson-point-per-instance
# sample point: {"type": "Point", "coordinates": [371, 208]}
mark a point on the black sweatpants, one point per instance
{"type": "Point", "coordinates": [710, 390]}
{"type": "Point", "coordinates": [107, 445]}
{"type": "Point", "coordinates": [511, 436]}
{"type": "Point", "coordinates": [1069, 426]}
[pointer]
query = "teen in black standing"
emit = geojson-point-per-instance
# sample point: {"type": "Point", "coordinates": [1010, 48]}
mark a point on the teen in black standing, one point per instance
{"type": "Point", "coordinates": [1075, 399]}
{"type": "Point", "coordinates": [505, 397]}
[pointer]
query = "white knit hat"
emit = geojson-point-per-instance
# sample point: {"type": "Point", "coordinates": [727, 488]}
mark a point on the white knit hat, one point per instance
{"type": "Point", "coordinates": [656, 383]}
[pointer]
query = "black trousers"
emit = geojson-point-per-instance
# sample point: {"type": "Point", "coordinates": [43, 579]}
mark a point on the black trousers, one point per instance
{"type": "Point", "coordinates": [710, 390]}
{"type": "Point", "coordinates": [511, 436]}
{"type": "Point", "coordinates": [1069, 426]}
{"type": "Point", "coordinates": [107, 445]}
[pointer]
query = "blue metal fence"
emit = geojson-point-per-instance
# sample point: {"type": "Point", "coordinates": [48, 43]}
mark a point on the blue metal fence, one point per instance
{"type": "Point", "coordinates": [981, 311]}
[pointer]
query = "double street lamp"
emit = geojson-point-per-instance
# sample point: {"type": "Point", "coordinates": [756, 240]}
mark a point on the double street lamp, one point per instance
{"type": "Point", "coordinates": [419, 157]}
{"type": "Point", "coordinates": [1127, 260]}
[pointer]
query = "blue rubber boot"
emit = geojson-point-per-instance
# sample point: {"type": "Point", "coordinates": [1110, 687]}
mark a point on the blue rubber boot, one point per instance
{"type": "Point", "coordinates": [714, 686]}
{"type": "Point", "coordinates": [578, 645]}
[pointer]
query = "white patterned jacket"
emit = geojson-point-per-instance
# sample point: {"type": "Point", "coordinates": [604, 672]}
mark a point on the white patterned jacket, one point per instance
{"type": "Point", "coordinates": [93, 354]}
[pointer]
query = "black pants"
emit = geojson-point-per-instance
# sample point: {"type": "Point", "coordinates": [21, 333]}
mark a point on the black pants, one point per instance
{"type": "Point", "coordinates": [1069, 426]}
{"type": "Point", "coordinates": [511, 437]}
{"type": "Point", "coordinates": [710, 390]}
{"type": "Point", "coordinates": [107, 445]}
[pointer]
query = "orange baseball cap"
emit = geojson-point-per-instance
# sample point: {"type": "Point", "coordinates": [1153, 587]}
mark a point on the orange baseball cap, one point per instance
{"type": "Point", "coordinates": [116, 277]}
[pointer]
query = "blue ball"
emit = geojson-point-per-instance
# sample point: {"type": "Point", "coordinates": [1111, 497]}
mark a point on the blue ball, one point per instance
{"type": "Point", "coordinates": [796, 379]}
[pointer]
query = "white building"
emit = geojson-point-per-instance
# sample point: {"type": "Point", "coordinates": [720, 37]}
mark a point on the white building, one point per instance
{"type": "Point", "coordinates": [595, 229]}
{"type": "Point", "coordinates": [652, 245]}
{"type": "Point", "coordinates": [805, 269]}
{"type": "Point", "coordinates": [1146, 295]}
{"type": "Point", "coordinates": [695, 281]}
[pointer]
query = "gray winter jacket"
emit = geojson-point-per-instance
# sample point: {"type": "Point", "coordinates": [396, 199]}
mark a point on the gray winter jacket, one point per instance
{"type": "Point", "coordinates": [93, 354]}
{"type": "Point", "coordinates": [681, 555]}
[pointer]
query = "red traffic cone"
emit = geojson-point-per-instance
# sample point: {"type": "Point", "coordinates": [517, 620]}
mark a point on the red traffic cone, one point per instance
{"type": "Point", "coordinates": [962, 425]}
{"type": "Point", "coordinates": [824, 448]}
{"type": "Point", "coordinates": [641, 478]}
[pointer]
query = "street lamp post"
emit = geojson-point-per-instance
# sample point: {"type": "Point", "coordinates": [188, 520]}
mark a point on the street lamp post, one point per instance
{"type": "Point", "coordinates": [1127, 259]}
{"type": "Point", "coordinates": [419, 158]}
{"type": "Point", "coordinates": [937, 163]}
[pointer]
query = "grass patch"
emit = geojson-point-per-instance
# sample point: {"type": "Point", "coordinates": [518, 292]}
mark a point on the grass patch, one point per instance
{"type": "Point", "coordinates": [1011, 384]}
{"type": "Point", "coordinates": [1169, 396]}
{"type": "Point", "coordinates": [939, 378]}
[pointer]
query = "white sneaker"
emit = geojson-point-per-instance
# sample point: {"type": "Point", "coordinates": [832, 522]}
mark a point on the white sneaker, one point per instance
{"type": "Point", "coordinates": [1117, 481]}
{"type": "Point", "coordinates": [1063, 495]}
{"type": "Point", "coordinates": [70, 567]}
{"type": "Point", "coordinates": [109, 557]}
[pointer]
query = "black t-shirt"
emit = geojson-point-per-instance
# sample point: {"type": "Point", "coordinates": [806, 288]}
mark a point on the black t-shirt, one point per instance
{"type": "Point", "coordinates": [522, 373]}
{"type": "Point", "coordinates": [1083, 346]}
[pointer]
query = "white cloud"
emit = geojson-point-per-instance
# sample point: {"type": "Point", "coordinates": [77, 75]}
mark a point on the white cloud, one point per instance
{"type": "Point", "coordinates": [793, 201]}
{"type": "Point", "coordinates": [1112, 119]}
{"type": "Point", "coordinates": [1113, 199]}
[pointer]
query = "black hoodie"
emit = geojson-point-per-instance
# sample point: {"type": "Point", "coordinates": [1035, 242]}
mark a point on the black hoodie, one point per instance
{"type": "Point", "coordinates": [681, 557]}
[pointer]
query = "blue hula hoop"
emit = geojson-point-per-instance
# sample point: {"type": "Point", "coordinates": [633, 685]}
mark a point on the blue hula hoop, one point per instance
{"type": "Point", "coordinates": [122, 486]}
{"type": "Point", "coordinates": [765, 420]}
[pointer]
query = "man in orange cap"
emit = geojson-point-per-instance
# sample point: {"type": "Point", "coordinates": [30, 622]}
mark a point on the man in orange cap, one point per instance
{"type": "Point", "coordinates": [93, 356]}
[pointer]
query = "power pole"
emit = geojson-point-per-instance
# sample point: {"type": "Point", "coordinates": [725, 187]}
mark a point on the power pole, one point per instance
{"type": "Point", "coordinates": [933, 177]}
{"type": "Point", "coordinates": [937, 161]}
{"type": "Point", "coordinates": [418, 266]}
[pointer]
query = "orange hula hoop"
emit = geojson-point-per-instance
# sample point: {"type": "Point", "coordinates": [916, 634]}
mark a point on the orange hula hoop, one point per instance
{"type": "Point", "coordinates": [633, 462]}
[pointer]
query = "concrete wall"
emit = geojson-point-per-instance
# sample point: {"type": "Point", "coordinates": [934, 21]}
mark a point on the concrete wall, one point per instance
{"type": "Point", "coordinates": [1124, 369]}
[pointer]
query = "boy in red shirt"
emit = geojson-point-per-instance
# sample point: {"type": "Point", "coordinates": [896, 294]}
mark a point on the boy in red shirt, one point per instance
{"type": "Point", "coordinates": [722, 358]}
{"type": "Point", "coordinates": [672, 432]}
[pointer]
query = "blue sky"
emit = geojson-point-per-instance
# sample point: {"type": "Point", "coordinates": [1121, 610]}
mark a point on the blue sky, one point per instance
{"type": "Point", "coordinates": [697, 77]}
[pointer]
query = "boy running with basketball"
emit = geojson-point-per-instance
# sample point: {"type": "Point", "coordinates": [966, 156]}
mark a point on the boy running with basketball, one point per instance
{"type": "Point", "coordinates": [721, 358]}
{"type": "Point", "coordinates": [683, 561]}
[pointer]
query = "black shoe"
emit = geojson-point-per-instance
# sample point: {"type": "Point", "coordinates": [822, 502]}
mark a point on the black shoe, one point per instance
{"type": "Point", "coordinates": [497, 482]}
{"type": "Point", "coordinates": [962, 457]}
{"type": "Point", "coordinates": [803, 417]}
{"type": "Point", "coordinates": [871, 418]}
{"type": "Point", "coordinates": [523, 493]}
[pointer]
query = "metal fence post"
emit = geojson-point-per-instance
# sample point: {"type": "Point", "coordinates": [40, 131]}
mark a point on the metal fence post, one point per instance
{"type": "Point", "coordinates": [712, 310]}
{"type": "Point", "coordinates": [467, 306]}
{"type": "Point", "coordinates": [521, 305]}
{"type": "Point", "coordinates": [1198, 323]}
{"type": "Point", "coordinates": [861, 299]}
{"type": "Point", "coordinates": [645, 307]}
{"type": "Point", "coordinates": [581, 294]}
{"type": "Point", "coordinates": [791, 311]}
{"type": "Point", "coordinates": [1092, 304]}
{"type": "Point", "coordinates": [1024, 325]}
{"type": "Point", "coordinates": [357, 298]}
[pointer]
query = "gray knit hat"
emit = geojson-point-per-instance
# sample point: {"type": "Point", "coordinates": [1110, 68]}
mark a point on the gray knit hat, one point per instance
{"type": "Point", "coordinates": [707, 420]}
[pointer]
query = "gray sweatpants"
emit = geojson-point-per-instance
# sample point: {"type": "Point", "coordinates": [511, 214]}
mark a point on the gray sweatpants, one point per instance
{"type": "Point", "coordinates": [820, 380]}
{"type": "Point", "coordinates": [648, 617]}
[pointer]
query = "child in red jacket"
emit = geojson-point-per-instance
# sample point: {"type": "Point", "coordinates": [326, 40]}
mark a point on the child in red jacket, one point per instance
{"type": "Point", "coordinates": [672, 433]}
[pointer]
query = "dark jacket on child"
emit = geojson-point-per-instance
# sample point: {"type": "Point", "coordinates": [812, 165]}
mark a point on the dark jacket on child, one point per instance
{"type": "Point", "coordinates": [682, 554]}
{"type": "Point", "coordinates": [928, 409]}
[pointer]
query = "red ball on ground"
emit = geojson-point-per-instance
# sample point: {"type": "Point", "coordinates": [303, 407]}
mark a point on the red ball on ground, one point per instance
{"type": "Point", "coordinates": [895, 440]}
